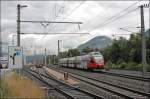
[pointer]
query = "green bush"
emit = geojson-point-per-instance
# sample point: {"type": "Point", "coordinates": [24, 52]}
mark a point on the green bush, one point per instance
{"type": "Point", "coordinates": [148, 68]}
{"type": "Point", "coordinates": [133, 66]}
{"type": "Point", "coordinates": [109, 64]}
{"type": "Point", "coordinates": [127, 66]}
{"type": "Point", "coordinates": [140, 67]}
{"type": "Point", "coordinates": [120, 61]}
{"type": "Point", "coordinates": [123, 65]}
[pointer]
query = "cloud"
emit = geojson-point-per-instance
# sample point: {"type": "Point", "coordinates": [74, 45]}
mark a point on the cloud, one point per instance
{"type": "Point", "coordinates": [91, 13]}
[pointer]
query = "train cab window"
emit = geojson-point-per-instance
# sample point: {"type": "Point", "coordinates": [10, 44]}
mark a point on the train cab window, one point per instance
{"type": "Point", "coordinates": [3, 63]}
{"type": "Point", "coordinates": [96, 54]}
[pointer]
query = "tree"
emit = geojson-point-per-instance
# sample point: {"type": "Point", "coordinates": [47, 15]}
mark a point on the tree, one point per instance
{"type": "Point", "coordinates": [87, 50]}
{"type": "Point", "coordinates": [135, 48]}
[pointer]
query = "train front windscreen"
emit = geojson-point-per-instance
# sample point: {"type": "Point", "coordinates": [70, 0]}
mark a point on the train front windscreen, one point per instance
{"type": "Point", "coordinates": [3, 62]}
{"type": "Point", "coordinates": [98, 57]}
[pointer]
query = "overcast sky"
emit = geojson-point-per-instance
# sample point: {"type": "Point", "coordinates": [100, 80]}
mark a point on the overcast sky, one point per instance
{"type": "Point", "coordinates": [93, 14]}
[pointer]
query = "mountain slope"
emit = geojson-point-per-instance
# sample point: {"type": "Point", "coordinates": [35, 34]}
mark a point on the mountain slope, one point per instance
{"type": "Point", "coordinates": [96, 42]}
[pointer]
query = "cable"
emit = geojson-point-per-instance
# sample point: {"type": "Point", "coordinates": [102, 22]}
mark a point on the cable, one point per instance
{"type": "Point", "coordinates": [61, 10]}
{"type": "Point", "coordinates": [75, 9]}
{"type": "Point", "coordinates": [72, 11]}
{"type": "Point", "coordinates": [113, 18]}
{"type": "Point", "coordinates": [120, 16]}
{"type": "Point", "coordinates": [116, 15]}
{"type": "Point", "coordinates": [123, 10]}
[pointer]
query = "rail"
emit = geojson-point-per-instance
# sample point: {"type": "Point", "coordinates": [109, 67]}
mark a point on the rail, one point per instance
{"type": "Point", "coordinates": [118, 93]}
{"type": "Point", "coordinates": [65, 91]}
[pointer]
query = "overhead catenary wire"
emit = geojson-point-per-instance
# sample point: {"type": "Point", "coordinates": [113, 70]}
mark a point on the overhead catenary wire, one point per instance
{"type": "Point", "coordinates": [60, 10]}
{"type": "Point", "coordinates": [56, 15]}
{"type": "Point", "coordinates": [71, 12]}
{"type": "Point", "coordinates": [75, 9]}
{"type": "Point", "coordinates": [103, 24]}
{"type": "Point", "coordinates": [120, 16]}
{"type": "Point", "coordinates": [46, 23]}
{"type": "Point", "coordinates": [116, 16]}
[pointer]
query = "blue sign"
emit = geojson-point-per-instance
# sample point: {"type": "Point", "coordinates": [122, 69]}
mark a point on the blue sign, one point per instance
{"type": "Point", "coordinates": [18, 53]}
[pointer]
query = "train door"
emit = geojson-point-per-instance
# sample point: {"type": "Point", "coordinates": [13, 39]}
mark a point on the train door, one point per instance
{"type": "Point", "coordinates": [67, 63]}
{"type": "Point", "coordinates": [79, 62]}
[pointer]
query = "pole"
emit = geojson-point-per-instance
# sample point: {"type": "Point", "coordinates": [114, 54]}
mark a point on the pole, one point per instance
{"type": "Point", "coordinates": [143, 40]}
{"type": "Point", "coordinates": [45, 57]}
{"type": "Point", "coordinates": [58, 48]}
{"type": "Point", "coordinates": [18, 24]}
{"type": "Point", "coordinates": [0, 46]}
{"type": "Point", "coordinates": [35, 56]}
{"type": "Point", "coordinates": [13, 40]}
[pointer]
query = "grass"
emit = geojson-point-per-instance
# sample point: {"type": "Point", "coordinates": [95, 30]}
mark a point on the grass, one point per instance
{"type": "Point", "coordinates": [13, 86]}
{"type": "Point", "coordinates": [127, 66]}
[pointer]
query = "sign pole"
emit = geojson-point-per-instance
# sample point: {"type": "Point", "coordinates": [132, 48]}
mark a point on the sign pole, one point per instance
{"type": "Point", "coordinates": [45, 57]}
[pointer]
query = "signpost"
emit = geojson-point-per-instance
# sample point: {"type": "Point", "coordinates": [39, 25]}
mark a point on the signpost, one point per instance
{"type": "Point", "coordinates": [15, 57]}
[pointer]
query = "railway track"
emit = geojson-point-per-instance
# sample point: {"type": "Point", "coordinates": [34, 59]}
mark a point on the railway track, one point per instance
{"type": "Point", "coordinates": [71, 92]}
{"type": "Point", "coordinates": [112, 89]}
{"type": "Point", "coordinates": [146, 79]}
{"type": "Point", "coordinates": [50, 93]}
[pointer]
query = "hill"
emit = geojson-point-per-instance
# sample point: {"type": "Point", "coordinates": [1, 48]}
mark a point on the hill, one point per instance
{"type": "Point", "coordinates": [96, 42]}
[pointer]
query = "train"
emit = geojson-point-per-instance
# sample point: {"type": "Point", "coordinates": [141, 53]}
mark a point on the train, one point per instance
{"type": "Point", "coordinates": [4, 62]}
{"type": "Point", "coordinates": [92, 60]}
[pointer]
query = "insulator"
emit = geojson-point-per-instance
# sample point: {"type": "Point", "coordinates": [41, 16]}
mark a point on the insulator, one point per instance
{"type": "Point", "coordinates": [146, 5]}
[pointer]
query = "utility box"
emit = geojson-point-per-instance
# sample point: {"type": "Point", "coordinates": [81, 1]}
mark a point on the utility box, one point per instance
{"type": "Point", "coordinates": [15, 55]}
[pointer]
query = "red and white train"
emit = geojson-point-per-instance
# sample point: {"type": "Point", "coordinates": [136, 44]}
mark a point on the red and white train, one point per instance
{"type": "Point", "coordinates": [93, 60]}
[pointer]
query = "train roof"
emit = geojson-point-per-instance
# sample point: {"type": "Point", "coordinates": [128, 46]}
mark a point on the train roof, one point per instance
{"type": "Point", "coordinates": [91, 53]}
